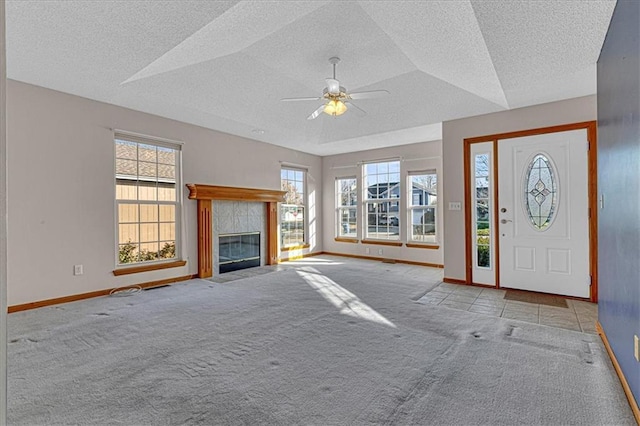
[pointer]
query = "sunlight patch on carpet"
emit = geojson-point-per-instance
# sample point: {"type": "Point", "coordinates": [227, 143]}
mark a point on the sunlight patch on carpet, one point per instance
{"type": "Point", "coordinates": [341, 298]}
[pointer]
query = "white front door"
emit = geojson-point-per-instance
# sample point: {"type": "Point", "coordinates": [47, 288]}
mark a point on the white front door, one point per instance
{"type": "Point", "coordinates": [544, 213]}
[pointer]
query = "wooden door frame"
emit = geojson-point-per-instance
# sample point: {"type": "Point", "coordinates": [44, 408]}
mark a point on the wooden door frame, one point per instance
{"type": "Point", "coordinates": [592, 194]}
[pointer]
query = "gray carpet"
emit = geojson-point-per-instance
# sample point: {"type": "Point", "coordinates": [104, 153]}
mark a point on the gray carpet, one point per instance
{"type": "Point", "coordinates": [329, 342]}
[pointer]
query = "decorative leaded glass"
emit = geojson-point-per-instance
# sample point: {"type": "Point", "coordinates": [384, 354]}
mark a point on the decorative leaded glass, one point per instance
{"type": "Point", "coordinates": [540, 192]}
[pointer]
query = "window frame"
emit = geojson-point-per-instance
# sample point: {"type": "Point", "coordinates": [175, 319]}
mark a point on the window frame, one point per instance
{"type": "Point", "coordinates": [304, 243]}
{"type": "Point", "coordinates": [145, 265]}
{"type": "Point", "coordinates": [366, 201]}
{"type": "Point", "coordinates": [339, 207]}
{"type": "Point", "coordinates": [411, 207]}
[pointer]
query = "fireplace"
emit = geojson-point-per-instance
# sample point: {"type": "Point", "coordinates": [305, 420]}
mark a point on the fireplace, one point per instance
{"type": "Point", "coordinates": [238, 251]}
{"type": "Point", "coordinates": [205, 194]}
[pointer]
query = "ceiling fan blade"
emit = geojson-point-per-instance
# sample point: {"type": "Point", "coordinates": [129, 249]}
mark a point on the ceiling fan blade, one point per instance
{"type": "Point", "coordinates": [333, 86]}
{"type": "Point", "coordinates": [316, 113]}
{"type": "Point", "coordinates": [300, 99]}
{"type": "Point", "coordinates": [362, 112]}
{"type": "Point", "coordinates": [368, 95]}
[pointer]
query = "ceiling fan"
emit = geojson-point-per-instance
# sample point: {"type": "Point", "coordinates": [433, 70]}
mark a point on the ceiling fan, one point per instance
{"type": "Point", "coordinates": [336, 96]}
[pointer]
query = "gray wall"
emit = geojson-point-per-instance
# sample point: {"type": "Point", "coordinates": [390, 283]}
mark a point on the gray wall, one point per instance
{"type": "Point", "coordinates": [61, 187]}
{"type": "Point", "coordinates": [619, 183]}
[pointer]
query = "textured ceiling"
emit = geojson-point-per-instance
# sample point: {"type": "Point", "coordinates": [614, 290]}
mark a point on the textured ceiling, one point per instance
{"type": "Point", "coordinates": [225, 65]}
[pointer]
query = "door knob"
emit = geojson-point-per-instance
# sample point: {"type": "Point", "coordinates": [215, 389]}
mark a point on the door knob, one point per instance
{"type": "Point", "coordinates": [503, 221]}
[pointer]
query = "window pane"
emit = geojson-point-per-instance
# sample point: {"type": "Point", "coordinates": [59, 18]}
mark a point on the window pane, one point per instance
{"type": "Point", "coordinates": [482, 165]}
{"type": "Point", "coordinates": [167, 231]}
{"type": "Point", "coordinates": [147, 191]}
{"type": "Point", "coordinates": [167, 250]}
{"type": "Point", "coordinates": [292, 225]}
{"type": "Point", "coordinates": [147, 153]}
{"type": "Point", "coordinates": [126, 149]}
{"type": "Point", "coordinates": [484, 256]}
{"type": "Point", "coordinates": [126, 167]}
{"type": "Point", "coordinates": [148, 251]}
{"type": "Point", "coordinates": [166, 192]}
{"type": "Point", "coordinates": [126, 190]}
{"type": "Point", "coordinates": [347, 222]}
{"type": "Point", "coordinates": [166, 172]}
{"type": "Point", "coordinates": [128, 233]}
{"type": "Point", "coordinates": [147, 171]}
{"type": "Point", "coordinates": [148, 213]}
{"type": "Point", "coordinates": [127, 213]}
{"type": "Point", "coordinates": [167, 213]}
{"type": "Point", "coordinates": [166, 156]}
{"type": "Point", "coordinates": [128, 253]}
{"type": "Point", "coordinates": [148, 232]}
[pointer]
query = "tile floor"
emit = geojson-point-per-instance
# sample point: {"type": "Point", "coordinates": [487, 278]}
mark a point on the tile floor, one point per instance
{"type": "Point", "coordinates": [578, 316]}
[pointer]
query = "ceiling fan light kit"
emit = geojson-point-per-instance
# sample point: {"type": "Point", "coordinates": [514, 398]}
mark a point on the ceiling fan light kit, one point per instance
{"type": "Point", "coordinates": [335, 107]}
{"type": "Point", "coordinates": [337, 96]}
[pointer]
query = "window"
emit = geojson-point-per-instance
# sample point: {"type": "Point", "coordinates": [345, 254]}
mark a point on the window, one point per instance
{"type": "Point", "coordinates": [422, 206]}
{"type": "Point", "coordinates": [482, 196]}
{"type": "Point", "coordinates": [347, 207]}
{"type": "Point", "coordinates": [382, 200]}
{"type": "Point", "coordinates": [147, 199]}
{"type": "Point", "coordinates": [292, 210]}
{"type": "Point", "coordinates": [540, 192]}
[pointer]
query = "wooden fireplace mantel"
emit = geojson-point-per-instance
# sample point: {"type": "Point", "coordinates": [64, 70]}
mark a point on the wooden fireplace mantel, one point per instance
{"type": "Point", "coordinates": [205, 194]}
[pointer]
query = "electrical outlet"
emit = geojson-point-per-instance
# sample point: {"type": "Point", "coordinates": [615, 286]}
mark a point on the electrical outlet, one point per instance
{"type": "Point", "coordinates": [636, 348]}
{"type": "Point", "coordinates": [367, 250]}
{"type": "Point", "coordinates": [77, 270]}
{"type": "Point", "coordinates": [380, 252]}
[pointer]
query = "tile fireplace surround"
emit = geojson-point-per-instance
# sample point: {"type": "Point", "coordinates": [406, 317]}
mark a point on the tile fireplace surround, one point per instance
{"type": "Point", "coordinates": [207, 194]}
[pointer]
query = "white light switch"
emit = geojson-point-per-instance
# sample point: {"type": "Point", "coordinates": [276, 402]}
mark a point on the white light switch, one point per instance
{"type": "Point", "coordinates": [455, 205]}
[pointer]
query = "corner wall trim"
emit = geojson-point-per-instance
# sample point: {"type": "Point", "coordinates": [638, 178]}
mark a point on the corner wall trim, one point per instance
{"type": "Point", "coordinates": [627, 390]}
{"type": "Point", "coordinates": [98, 293]}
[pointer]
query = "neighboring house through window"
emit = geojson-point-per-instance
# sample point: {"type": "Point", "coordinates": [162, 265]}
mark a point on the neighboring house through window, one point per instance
{"type": "Point", "coordinates": [382, 200]}
{"type": "Point", "coordinates": [422, 206]}
{"type": "Point", "coordinates": [292, 211]}
{"type": "Point", "coordinates": [347, 207]}
{"type": "Point", "coordinates": [148, 200]}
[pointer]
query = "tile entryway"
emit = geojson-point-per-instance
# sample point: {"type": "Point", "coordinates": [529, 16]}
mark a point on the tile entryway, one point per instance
{"type": "Point", "coordinates": [577, 316]}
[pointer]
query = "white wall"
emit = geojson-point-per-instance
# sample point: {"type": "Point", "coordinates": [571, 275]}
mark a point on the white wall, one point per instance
{"type": "Point", "coordinates": [453, 135]}
{"type": "Point", "coordinates": [415, 157]}
{"type": "Point", "coordinates": [61, 187]}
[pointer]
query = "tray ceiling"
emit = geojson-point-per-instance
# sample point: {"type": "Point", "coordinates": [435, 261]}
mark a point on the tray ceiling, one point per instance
{"type": "Point", "coordinates": [225, 65]}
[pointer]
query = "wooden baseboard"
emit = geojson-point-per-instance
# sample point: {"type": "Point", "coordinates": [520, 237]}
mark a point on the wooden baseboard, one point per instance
{"type": "Point", "coordinates": [627, 390]}
{"type": "Point", "coordinates": [453, 281]}
{"type": "Point", "coordinates": [408, 262]}
{"type": "Point", "coordinates": [300, 256]}
{"type": "Point", "coordinates": [82, 296]}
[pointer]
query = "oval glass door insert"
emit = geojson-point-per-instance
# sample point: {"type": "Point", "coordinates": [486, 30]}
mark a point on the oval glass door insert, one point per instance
{"type": "Point", "coordinates": [540, 192]}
